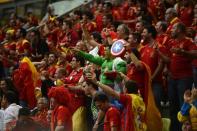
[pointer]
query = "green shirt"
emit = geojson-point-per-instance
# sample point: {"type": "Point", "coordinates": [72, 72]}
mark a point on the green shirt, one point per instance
{"type": "Point", "coordinates": [106, 66]}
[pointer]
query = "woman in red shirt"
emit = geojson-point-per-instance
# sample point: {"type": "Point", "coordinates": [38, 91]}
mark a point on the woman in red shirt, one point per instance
{"type": "Point", "coordinates": [61, 119]}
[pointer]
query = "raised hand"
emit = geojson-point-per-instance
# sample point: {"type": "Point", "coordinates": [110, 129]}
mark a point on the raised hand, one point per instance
{"type": "Point", "coordinates": [187, 96]}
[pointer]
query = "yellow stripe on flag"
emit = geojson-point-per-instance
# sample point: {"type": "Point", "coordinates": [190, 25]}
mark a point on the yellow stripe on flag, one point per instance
{"type": "Point", "coordinates": [153, 116]}
{"type": "Point", "coordinates": [35, 74]}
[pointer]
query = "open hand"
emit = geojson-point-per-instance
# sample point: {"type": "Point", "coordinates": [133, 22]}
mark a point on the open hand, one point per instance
{"type": "Point", "coordinates": [187, 96]}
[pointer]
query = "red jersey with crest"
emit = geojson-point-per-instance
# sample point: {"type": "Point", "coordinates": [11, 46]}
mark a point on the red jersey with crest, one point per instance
{"type": "Point", "coordinates": [61, 116]}
{"type": "Point", "coordinates": [150, 57]}
{"type": "Point", "coordinates": [112, 119]}
{"type": "Point", "coordinates": [181, 66]}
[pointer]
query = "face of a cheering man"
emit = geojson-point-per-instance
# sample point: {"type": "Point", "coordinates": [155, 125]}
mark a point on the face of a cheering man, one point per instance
{"type": "Point", "coordinates": [145, 35]}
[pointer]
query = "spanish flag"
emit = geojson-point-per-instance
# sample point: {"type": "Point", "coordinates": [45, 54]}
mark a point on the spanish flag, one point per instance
{"type": "Point", "coordinates": [26, 79]}
{"type": "Point", "coordinates": [35, 75]}
{"type": "Point", "coordinates": [152, 117]}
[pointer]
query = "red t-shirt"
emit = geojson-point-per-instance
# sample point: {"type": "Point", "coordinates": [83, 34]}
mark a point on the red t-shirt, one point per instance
{"type": "Point", "coordinates": [99, 21]}
{"type": "Point", "coordinates": [74, 37]}
{"type": "Point", "coordinates": [74, 77]}
{"type": "Point", "coordinates": [112, 34]}
{"type": "Point", "coordinates": [137, 75]}
{"type": "Point", "coordinates": [131, 15]}
{"type": "Point", "coordinates": [153, 4]}
{"type": "Point", "coordinates": [150, 57]}
{"type": "Point", "coordinates": [123, 12]}
{"type": "Point", "coordinates": [181, 66]}
{"type": "Point", "coordinates": [61, 38]}
{"type": "Point", "coordinates": [77, 97]}
{"type": "Point", "coordinates": [69, 38]}
{"type": "Point", "coordinates": [127, 118]}
{"type": "Point", "coordinates": [77, 28]}
{"type": "Point", "coordinates": [162, 39]}
{"type": "Point", "coordinates": [53, 35]}
{"type": "Point", "coordinates": [51, 70]}
{"type": "Point", "coordinates": [101, 51]}
{"type": "Point", "coordinates": [40, 117]}
{"type": "Point", "coordinates": [112, 119]}
{"type": "Point", "coordinates": [61, 116]}
{"type": "Point", "coordinates": [91, 26]}
{"type": "Point", "coordinates": [186, 15]}
{"type": "Point", "coordinates": [116, 14]}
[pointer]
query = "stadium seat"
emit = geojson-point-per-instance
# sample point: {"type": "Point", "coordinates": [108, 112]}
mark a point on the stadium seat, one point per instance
{"type": "Point", "coordinates": [166, 124]}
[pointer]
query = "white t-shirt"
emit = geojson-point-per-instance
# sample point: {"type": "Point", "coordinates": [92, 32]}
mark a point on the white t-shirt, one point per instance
{"type": "Point", "coordinates": [94, 51]}
{"type": "Point", "coordinates": [1, 120]}
{"type": "Point", "coordinates": [11, 113]}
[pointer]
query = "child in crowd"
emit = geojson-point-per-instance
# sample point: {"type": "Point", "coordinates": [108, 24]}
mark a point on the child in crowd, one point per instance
{"type": "Point", "coordinates": [188, 113]}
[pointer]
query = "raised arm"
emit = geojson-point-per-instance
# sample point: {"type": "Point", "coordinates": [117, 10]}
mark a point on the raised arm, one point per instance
{"type": "Point", "coordinates": [96, 60]}
{"type": "Point", "coordinates": [136, 61]}
{"type": "Point", "coordinates": [93, 43]}
{"type": "Point", "coordinates": [108, 90]}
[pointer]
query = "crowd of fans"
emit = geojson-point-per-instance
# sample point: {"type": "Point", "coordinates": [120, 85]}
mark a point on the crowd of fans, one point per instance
{"type": "Point", "coordinates": [112, 66]}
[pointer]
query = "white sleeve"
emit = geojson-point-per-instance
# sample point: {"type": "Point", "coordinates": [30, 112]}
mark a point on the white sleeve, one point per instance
{"type": "Point", "coordinates": [94, 51]}
{"type": "Point", "coordinates": [1, 120]}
